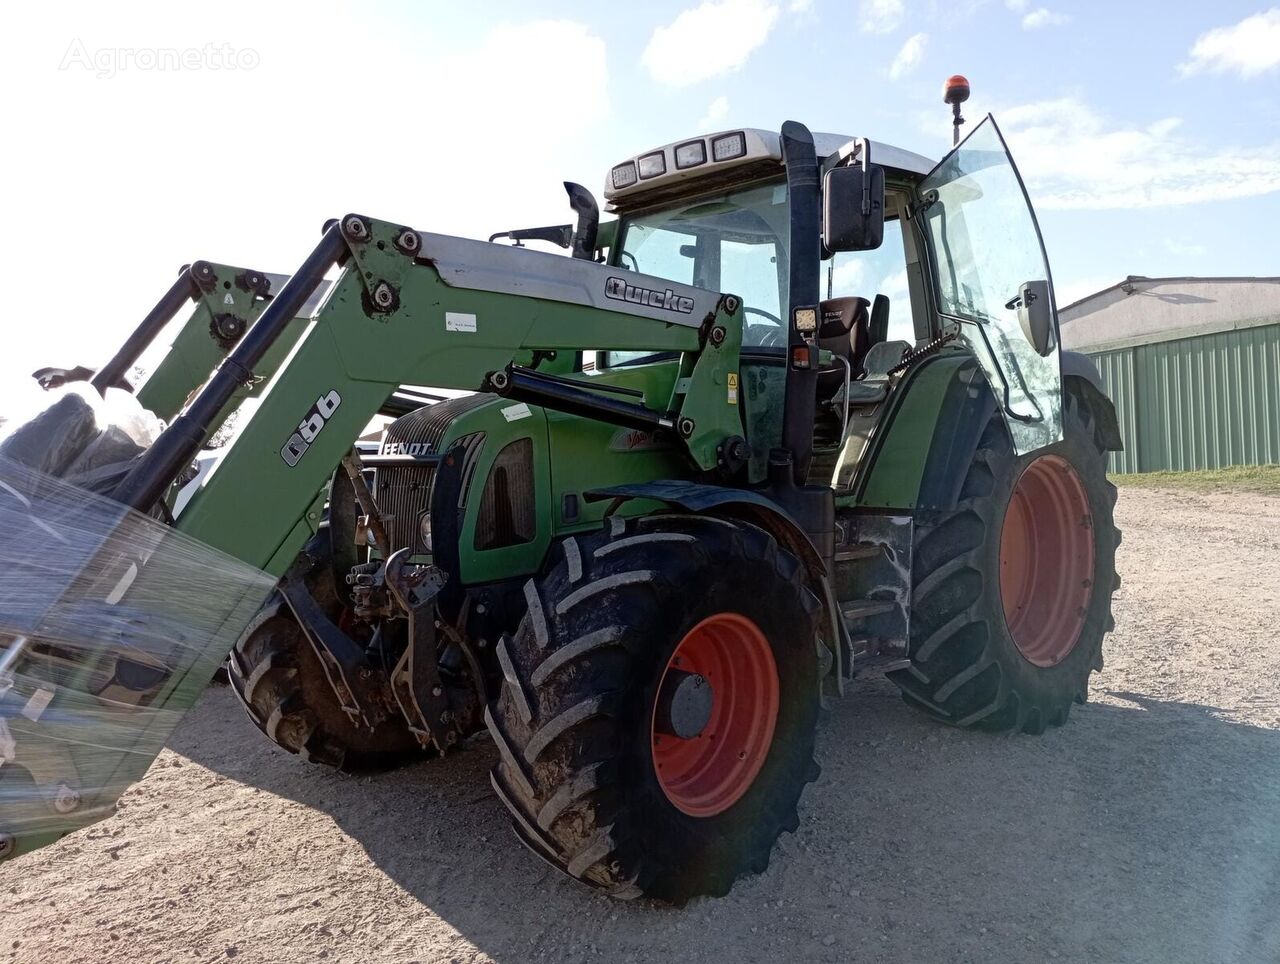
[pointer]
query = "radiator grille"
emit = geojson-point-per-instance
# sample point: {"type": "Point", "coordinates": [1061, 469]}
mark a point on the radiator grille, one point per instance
{"type": "Point", "coordinates": [402, 492]}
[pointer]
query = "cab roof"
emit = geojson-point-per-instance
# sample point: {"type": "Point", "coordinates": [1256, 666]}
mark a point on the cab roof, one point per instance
{"type": "Point", "coordinates": [734, 155]}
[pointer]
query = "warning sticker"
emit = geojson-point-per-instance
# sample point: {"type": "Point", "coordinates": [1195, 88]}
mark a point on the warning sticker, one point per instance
{"type": "Point", "coordinates": [459, 321]}
{"type": "Point", "coordinates": [733, 388]}
{"type": "Point", "coordinates": [513, 413]}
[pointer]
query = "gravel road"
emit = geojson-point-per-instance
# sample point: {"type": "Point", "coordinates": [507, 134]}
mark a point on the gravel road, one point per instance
{"type": "Point", "coordinates": [1147, 829]}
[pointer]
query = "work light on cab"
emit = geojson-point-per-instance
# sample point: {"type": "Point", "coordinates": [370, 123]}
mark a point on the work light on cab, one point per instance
{"type": "Point", "coordinates": [691, 154]}
{"type": "Point", "coordinates": [652, 165]}
{"type": "Point", "coordinates": [729, 146]}
{"type": "Point", "coordinates": [624, 175]}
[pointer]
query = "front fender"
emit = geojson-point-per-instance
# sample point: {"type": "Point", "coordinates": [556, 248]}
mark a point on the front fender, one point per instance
{"type": "Point", "coordinates": [1080, 374]}
{"type": "Point", "coordinates": [719, 500]}
{"type": "Point", "coordinates": [752, 507]}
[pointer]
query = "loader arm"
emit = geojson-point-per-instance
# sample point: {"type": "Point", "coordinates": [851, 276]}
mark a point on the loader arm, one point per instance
{"type": "Point", "coordinates": [228, 301]}
{"type": "Point", "coordinates": [416, 308]}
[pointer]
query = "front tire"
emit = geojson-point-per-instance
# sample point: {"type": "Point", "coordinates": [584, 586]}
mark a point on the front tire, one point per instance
{"type": "Point", "coordinates": [280, 681]}
{"type": "Point", "coordinates": [589, 765]}
{"type": "Point", "coordinates": [1012, 586]}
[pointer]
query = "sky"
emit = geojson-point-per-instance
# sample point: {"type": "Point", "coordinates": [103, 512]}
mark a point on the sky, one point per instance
{"type": "Point", "coordinates": [144, 136]}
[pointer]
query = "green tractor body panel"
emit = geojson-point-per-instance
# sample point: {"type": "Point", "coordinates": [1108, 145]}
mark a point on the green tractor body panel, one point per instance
{"type": "Point", "coordinates": [897, 456]}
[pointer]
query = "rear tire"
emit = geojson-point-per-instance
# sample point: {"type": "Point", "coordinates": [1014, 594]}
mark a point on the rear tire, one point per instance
{"type": "Point", "coordinates": [575, 718]}
{"type": "Point", "coordinates": [282, 684]}
{"type": "Point", "coordinates": [968, 668]}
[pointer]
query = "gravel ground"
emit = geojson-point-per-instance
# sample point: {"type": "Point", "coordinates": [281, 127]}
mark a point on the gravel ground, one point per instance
{"type": "Point", "coordinates": [1147, 829]}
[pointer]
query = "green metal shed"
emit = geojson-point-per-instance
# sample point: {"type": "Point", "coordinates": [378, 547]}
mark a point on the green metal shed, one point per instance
{"type": "Point", "coordinates": [1192, 364]}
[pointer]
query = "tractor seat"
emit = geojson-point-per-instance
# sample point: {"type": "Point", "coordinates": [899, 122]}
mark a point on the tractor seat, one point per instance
{"type": "Point", "coordinates": [873, 386]}
{"type": "Point", "coordinates": [843, 331]}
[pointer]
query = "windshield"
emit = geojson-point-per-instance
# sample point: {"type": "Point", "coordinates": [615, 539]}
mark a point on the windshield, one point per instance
{"type": "Point", "coordinates": [733, 242]}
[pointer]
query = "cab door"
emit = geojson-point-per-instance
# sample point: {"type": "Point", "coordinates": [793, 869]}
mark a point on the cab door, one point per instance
{"type": "Point", "coordinates": [985, 247]}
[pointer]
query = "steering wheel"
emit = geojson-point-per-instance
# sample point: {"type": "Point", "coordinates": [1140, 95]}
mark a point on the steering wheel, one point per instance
{"type": "Point", "coordinates": [773, 335]}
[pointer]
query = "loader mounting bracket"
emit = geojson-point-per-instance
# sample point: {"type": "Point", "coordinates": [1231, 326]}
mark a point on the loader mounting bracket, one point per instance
{"type": "Point", "coordinates": [415, 681]}
{"type": "Point", "coordinates": [381, 259]}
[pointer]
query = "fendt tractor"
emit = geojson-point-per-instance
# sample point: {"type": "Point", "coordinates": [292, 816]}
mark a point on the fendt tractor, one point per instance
{"type": "Point", "coordinates": [799, 413]}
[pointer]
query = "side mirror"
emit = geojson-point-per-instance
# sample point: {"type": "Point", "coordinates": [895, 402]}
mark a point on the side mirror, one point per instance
{"type": "Point", "coordinates": [853, 207]}
{"type": "Point", "coordinates": [1035, 315]}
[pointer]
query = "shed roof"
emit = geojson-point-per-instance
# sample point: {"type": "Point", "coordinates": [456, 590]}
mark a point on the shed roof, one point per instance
{"type": "Point", "coordinates": [1143, 310]}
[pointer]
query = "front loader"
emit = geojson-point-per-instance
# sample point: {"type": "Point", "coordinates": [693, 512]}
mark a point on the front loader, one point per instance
{"type": "Point", "coordinates": [695, 491]}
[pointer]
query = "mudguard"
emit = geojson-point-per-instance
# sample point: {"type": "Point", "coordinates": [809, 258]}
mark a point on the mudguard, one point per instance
{"type": "Point", "coordinates": [752, 507]}
{"type": "Point", "coordinates": [719, 500]}
{"type": "Point", "coordinates": [968, 407]}
{"type": "Point", "coordinates": [1080, 374]}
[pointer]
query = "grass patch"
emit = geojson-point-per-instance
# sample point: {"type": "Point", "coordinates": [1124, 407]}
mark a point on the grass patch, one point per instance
{"type": "Point", "coordinates": [1263, 479]}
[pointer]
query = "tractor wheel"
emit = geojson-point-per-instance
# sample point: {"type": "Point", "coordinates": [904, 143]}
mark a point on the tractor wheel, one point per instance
{"type": "Point", "coordinates": [1012, 586]}
{"type": "Point", "coordinates": [280, 681]}
{"type": "Point", "coordinates": [656, 718]}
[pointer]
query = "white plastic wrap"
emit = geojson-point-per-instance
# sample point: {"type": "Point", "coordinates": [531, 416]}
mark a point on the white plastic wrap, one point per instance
{"type": "Point", "coordinates": [75, 434]}
{"type": "Point", "coordinates": [111, 623]}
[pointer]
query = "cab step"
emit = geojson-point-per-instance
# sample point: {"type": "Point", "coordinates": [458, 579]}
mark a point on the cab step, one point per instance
{"type": "Point", "coordinates": [861, 550]}
{"type": "Point", "coordinates": [863, 608]}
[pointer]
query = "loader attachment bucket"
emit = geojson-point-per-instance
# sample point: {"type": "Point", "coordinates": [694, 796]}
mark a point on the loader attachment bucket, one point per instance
{"type": "Point", "coordinates": [111, 625]}
{"type": "Point", "coordinates": [112, 621]}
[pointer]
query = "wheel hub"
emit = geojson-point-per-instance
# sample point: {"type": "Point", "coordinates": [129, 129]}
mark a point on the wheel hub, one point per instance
{"type": "Point", "coordinates": [684, 705]}
{"type": "Point", "coordinates": [715, 714]}
{"type": "Point", "coordinates": [1047, 560]}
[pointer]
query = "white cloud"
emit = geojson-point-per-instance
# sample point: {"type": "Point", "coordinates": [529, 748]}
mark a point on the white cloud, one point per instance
{"type": "Point", "coordinates": [1071, 157]}
{"type": "Point", "coordinates": [1249, 48]}
{"type": "Point", "coordinates": [717, 111]}
{"type": "Point", "coordinates": [1017, 6]}
{"type": "Point", "coordinates": [895, 287]}
{"type": "Point", "coordinates": [881, 16]}
{"type": "Point", "coordinates": [848, 276]}
{"type": "Point", "coordinates": [277, 204]}
{"type": "Point", "coordinates": [909, 57]}
{"type": "Point", "coordinates": [800, 6]}
{"type": "Point", "coordinates": [1044, 17]}
{"type": "Point", "coordinates": [707, 41]}
{"type": "Point", "coordinates": [1185, 249]}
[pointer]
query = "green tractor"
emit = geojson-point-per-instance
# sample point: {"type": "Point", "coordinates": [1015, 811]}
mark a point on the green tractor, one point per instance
{"type": "Point", "coordinates": [798, 414]}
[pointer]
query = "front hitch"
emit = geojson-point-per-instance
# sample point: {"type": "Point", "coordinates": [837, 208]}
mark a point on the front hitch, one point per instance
{"type": "Point", "coordinates": [415, 681]}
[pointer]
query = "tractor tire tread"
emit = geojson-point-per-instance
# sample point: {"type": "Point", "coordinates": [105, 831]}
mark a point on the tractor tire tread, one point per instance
{"type": "Point", "coordinates": [279, 680]}
{"type": "Point", "coordinates": [961, 673]}
{"type": "Point", "coordinates": [572, 660]}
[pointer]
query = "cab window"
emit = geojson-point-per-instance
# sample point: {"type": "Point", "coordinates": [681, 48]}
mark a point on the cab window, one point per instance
{"type": "Point", "coordinates": [661, 250]}
{"type": "Point", "coordinates": [869, 273]}
{"type": "Point", "coordinates": [733, 242]}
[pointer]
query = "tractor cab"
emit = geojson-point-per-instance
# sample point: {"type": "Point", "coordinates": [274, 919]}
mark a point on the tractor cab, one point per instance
{"type": "Point", "coordinates": [939, 255]}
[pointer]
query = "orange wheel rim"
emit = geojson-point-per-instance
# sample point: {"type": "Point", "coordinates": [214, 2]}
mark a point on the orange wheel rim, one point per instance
{"type": "Point", "coordinates": [1046, 561]}
{"type": "Point", "coordinates": [706, 774]}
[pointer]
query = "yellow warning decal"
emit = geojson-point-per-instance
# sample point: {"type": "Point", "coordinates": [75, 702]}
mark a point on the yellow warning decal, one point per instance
{"type": "Point", "coordinates": [733, 388]}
